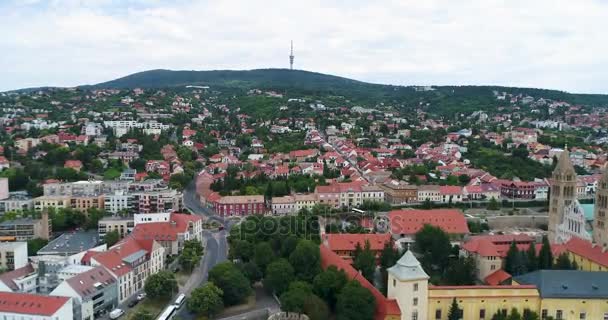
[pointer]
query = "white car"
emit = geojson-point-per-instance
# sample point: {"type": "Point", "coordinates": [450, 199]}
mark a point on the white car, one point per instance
{"type": "Point", "coordinates": [116, 313]}
{"type": "Point", "coordinates": [141, 296]}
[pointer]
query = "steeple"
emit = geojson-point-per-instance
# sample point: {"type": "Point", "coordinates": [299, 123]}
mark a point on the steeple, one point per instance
{"type": "Point", "coordinates": [600, 210]}
{"type": "Point", "coordinates": [564, 164]}
{"type": "Point", "coordinates": [562, 192]}
{"type": "Point", "coordinates": [408, 268]}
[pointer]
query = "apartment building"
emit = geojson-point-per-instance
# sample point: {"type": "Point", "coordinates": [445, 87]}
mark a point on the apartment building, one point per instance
{"type": "Point", "coordinates": [123, 225]}
{"type": "Point", "coordinates": [13, 255]}
{"type": "Point", "coordinates": [26, 228]}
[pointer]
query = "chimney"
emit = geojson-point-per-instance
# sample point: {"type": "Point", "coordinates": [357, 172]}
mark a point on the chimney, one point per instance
{"type": "Point", "coordinates": [45, 233]}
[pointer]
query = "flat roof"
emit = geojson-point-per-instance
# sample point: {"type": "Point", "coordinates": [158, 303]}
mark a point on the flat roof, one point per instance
{"type": "Point", "coordinates": [71, 243]}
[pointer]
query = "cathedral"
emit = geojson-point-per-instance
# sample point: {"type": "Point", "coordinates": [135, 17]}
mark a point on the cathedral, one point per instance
{"type": "Point", "coordinates": [566, 215]}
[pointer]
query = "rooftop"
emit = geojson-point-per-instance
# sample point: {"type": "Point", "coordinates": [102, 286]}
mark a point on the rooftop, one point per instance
{"type": "Point", "coordinates": [34, 304]}
{"type": "Point", "coordinates": [573, 284]}
{"type": "Point", "coordinates": [71, 243]}
{"type": "Point", "coordinates": [408, 221]}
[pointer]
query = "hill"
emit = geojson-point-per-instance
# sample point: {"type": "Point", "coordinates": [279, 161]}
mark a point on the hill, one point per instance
{"type": "Point", "coordinates": [299, 82]}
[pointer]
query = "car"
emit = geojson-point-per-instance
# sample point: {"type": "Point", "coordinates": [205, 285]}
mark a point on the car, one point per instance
{"type": "Point", "coordinates": [141, 296]}
{"type": "Point", "coordinates": [116, 313]}
{"type": "Point", "coordinates": [133, 303]}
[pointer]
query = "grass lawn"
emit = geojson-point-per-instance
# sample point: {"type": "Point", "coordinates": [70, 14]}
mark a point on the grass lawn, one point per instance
{"type": "Point", "coordinates": [154, 306]}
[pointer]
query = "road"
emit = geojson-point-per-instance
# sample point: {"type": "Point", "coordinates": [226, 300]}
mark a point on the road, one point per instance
{"type": "Point", "coordinates": [216, 247]}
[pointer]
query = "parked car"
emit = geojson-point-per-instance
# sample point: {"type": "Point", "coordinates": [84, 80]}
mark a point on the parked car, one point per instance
{"type": "Point", "coordinates": [133, 303]}
{"type": "Point", "coordinates": [116, 313]}
{"type": "Point", "coordinates": [141, 296]}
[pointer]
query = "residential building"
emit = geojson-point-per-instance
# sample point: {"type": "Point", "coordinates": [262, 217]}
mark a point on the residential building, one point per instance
{"type": "Point", "coordinates": [93, 292]}
{"type": "Point", "coordinates": [157, 201]}
{"type": "Point", "coordinates": [71, 243]}
{"type": "Point", "coordinates": [26, 228]}
{"type": "Point", "coordinates": [173, 233]}
{"type": "Point", "coordinates": [17, 200]}
{"type": "Point", "coordinates": [239, 205]}
{"type": "Point", "coordinates": [131, 261]}
{"type": "Point", "coordinates": [405, 223]}
{"type": "Point", "coordinates": [16, 306]}
{"type": "Point", "coordinates": [400, 192]}
{"type": "Point", "coordinates": [13, 255]}
{"type": "Point", "coordinates": [123, 225]}
{"type": "Point", "coordinates": [118, 201]}
{"type": "Point", "coordinates": [344, 244]}
{"type": "Point", "coordinates": [429, 193]}
{"type": "Point", "coordinates": [24, 279]}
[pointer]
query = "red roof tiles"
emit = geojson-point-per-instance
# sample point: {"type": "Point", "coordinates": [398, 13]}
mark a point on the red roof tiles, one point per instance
{"type": "Point", "coordinates": [348, 241]}
{"type": "Point", "coordinates": [588, 250]}
{"type": "Point", "coordinates": [24, 303]}
{"type": "Point", "coordinates": [497, 277]}
{"type": "Point", "coordinates": [451, 221]}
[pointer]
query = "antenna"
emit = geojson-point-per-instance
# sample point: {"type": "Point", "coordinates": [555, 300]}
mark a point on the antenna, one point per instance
{"type": "Point", "coordinates": [291, 56]}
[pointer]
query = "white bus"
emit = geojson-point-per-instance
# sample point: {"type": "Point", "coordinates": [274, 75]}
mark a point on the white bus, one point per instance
{"type": "Point", "coordinates": [168, 313]}
{"type": "Point", "coordinates": [359, 211]}
{"type": "Point", "coordinates": [180, 300]}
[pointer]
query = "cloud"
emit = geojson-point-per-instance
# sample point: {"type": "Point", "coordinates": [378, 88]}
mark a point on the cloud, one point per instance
{"type": "Point", "coordinates": [543, 43]}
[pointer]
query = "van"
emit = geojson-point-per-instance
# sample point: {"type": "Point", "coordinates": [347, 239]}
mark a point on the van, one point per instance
{"type": "Point", "coordinates": [180, 300]}
{"type": "Point", "coordinates": [116, 313]}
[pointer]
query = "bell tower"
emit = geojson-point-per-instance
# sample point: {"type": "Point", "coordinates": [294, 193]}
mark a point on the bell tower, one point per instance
{"type": "Point", "coordinates": [562, 192]}
{"type": "Point", "coordinates": [600, 228]}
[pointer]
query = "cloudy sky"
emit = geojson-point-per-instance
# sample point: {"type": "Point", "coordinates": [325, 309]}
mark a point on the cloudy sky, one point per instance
{"type": "Point", "coordinates": [534, 43]}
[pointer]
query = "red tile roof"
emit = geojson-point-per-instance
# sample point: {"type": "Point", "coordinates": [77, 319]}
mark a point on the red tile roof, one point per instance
{"type": "Point", "coordinates": [34, 304]}
{"type": "Point", "coordinates": [84, 283]}
{"type": "Point", "coordinates": [113, 258]}
{"type": "Point", "coordinates": [8, 277]}
{"type": "Point", "coordinates": [384, 306]}
{"type": "Point", "coordinates": [348, 241]}
{"type": "Point", "coordinates": [451, 221]}
{"type": "Point", "coordinates": [587, 250]}
{"type": "Point", "coordinates": [497, 277]}
{"type": "Point", "coordinates": [164, 231]}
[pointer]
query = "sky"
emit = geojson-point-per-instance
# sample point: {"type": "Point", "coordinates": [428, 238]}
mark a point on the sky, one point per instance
{"type": "Point", "coordinates": [555, 44]}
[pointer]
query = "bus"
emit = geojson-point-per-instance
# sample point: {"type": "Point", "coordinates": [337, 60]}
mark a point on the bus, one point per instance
{"type": "Point", "coordinates": [180, 300]}
{"type": "Point", "coordinates": [359, 211]}
{"type": "Point", "coordinates": [168, 313]}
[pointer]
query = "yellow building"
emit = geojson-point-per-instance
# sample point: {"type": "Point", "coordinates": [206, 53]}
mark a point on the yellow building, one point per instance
{"type": "Point", "coordinates": [45, 202]}
{"type": "Point", "coordinates": [570, 294]}
{"type": "Point", "coordinates": [481, 302]}
{"type": "Point", "coordinates": [588, 256]}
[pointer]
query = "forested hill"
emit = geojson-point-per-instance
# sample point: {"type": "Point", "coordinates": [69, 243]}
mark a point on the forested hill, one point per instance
{"type": "Point", "coordinates": [312, 83]}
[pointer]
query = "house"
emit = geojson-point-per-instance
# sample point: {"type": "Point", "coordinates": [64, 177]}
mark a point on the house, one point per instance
{"type": "Point", "coordinates": [93, 292]}
{"type": "Point", "coordinates": [405, 223]}
{"type": "Point", "coordinates": [24, 279]}
{"type": "Point", "coordinates": [13, 255]}
{"type": "Point", "coordinates": [303, 155]}
{"type": "Point", "coordinates": [73, 164]}
{"type": "Point", "coordinates": [345, 244]}
{"type": "Point", "coordinates": [173, 233]}
{"type": "Point", "coordinates": [131, 261]}
{"type": "Point", "coordinates": [429, 193]}
{"type": "Point", "coordinates": [239, 205]}
{"type": "Point", "coordinates": [35, 306]}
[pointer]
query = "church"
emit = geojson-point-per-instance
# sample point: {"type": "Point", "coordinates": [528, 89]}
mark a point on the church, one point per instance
{"type": "Point", "coordinates": [567, 217]}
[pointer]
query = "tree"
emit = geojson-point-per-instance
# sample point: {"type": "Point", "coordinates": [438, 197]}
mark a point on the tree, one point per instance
{"type": "Point", "coordinates": [263, 255]}
{"type": "Point", "coordinates": [545, 257]}
{"type": "Point", "coordinates": [191, 254]}
{"type": "Point", "coordinates": [500, 315]}
{"type": "Point", "coordinates": [514, 263]}
{"type": "Point", "coordinates": [143, 314]}
{"type": "Point", "coordinates": [161, 285]}
{"type": "Point", "coordinates": [242, 250]}
{"type": "Point", "coordinates": [231, 281]}
{"type": "Point", "coordinates": [34, 245]}
{"type": "Point", "coordinates": [289, 245]}
{"type": "Point", "coordinates": [293, 299]}
{"type": "Point", "coordinates": [111, 238]}
{"type": "Point", "coordinates": [206, 300]}
{"type": "Point", "coordinates": [434, 246]}
{"type": "Point", "coordinates": [464, 179]}
{"type": "Point", "coordinates": [454, 313]}
{"type": "Point", "coordinates": [355, 303]}
{"type": "Point", "coordinates": [315, 308]}
{"type": "Point", "coordinates": [530, 315]}
{"type": "Point", "coordinates": [460, 272]}
{"type": "Point", "coordinates": [514, 315]}
{"type": "Point", "coordinates": [306, 260]}
{"type": "Point", "coordinates": [563, 262]}
{"type": "Point", "coordinates": [493, 204]}
{"type": "Point", "coordinates": [251, 271]}
{"type": "Point", "coordinates": [279, 274]}
{"type": "Point", "coordinates": [328, 284]}
{"type": "Point", "coordinates": [531, 259]}
{"type": "Point", "coordinates": [365, 262]}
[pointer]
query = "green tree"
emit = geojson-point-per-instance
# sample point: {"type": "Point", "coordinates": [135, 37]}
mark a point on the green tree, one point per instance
{"type": "Point", "coordinates": [315, 308]}
{"type": "Point", "coordinates": [514, 315]}
{"type": "Point", "coordinates": [306, 260]}
{"type": "Point", "coordinates": [293, 299]}
{"type": "Point", "coordinates": [161, 285]}
{"type": "Point", "coordinates": [206, 300]}
{"type": "Point", "coordinates": [355, 303]}
{"type": "Point", "coordinates": [111, 238]}
{"type": "Point", "coordinates": [531, 259]}
{"type": "Point", "coordinates": [563, 262]}
{"type": "Point", "coordinates": [279, 274]}
{"type": "Point", "coordinates": [34, 245]}
{"type": "Point", "coordinates": [434, 246]}
{"type": "Point", "coordinates": [530, 315]}
{"type": "Point", "coordinates": [251, 271]}
{"type": "Point", "coordinates": [545, 256]}
{"type": "Point", "coordinates": [263, 255]}
{"type": "Point", "coordinates": [454, 313]}
{"type": "Point", "coordinates": [460, 272]}
{"type": "Point", "coordinates": [500, 315]}
{"type": "Point", "coordinates": [328, 284]}
{"type": "Point", "coordinates": [231, 280]}
{"type": "Point", "coordinates": [513, 262]}
{"type": "Point", "coordinates": [365, 262]}
{"type": "Point", "coordinates": [242, 250]}
{"type": "Point", "coordinates": [493, 204]}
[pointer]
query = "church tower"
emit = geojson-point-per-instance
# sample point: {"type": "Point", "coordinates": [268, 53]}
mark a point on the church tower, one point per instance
{"type": "Point", "coordinates": [562, 192]}
{"type": "Point", "coordinates": [408, 284]}
{"type": "Point", "coordinates": [600, 228]}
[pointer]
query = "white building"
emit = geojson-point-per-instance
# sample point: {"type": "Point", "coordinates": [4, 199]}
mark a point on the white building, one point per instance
{"type": "Point", "coordinates": [408, 284]}
{"type": "Point", "coordinates": [118, 201]}
{"type": "Point", "coordinates": [24, 306]}
{"type": "Point", "coordinates": [13, 255]}
{"type": "Point", "coordinates": [573, 224]}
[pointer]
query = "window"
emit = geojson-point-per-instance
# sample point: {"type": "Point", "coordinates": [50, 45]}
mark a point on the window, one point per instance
{"type": "Point", "coordinates": [394, 283]}
{"type": "Point", "coordinates": [415, 315]}
{"type": "Point", "coordinates": [583, 316]}
{"type": "Point", "coordinates": [438, 315]}
{"type": "Point", "coordinates": [415, 302]}
{"type": "Point", "coordinates": [558, 315]}
{"type": "Point", "coordinates": [415, 287]}
{"type": "Point", "coordinates": [482, 314]}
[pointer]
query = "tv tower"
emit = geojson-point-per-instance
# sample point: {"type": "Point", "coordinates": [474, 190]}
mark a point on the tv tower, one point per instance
{"type": "Point", "coordinates": [291, 57]}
